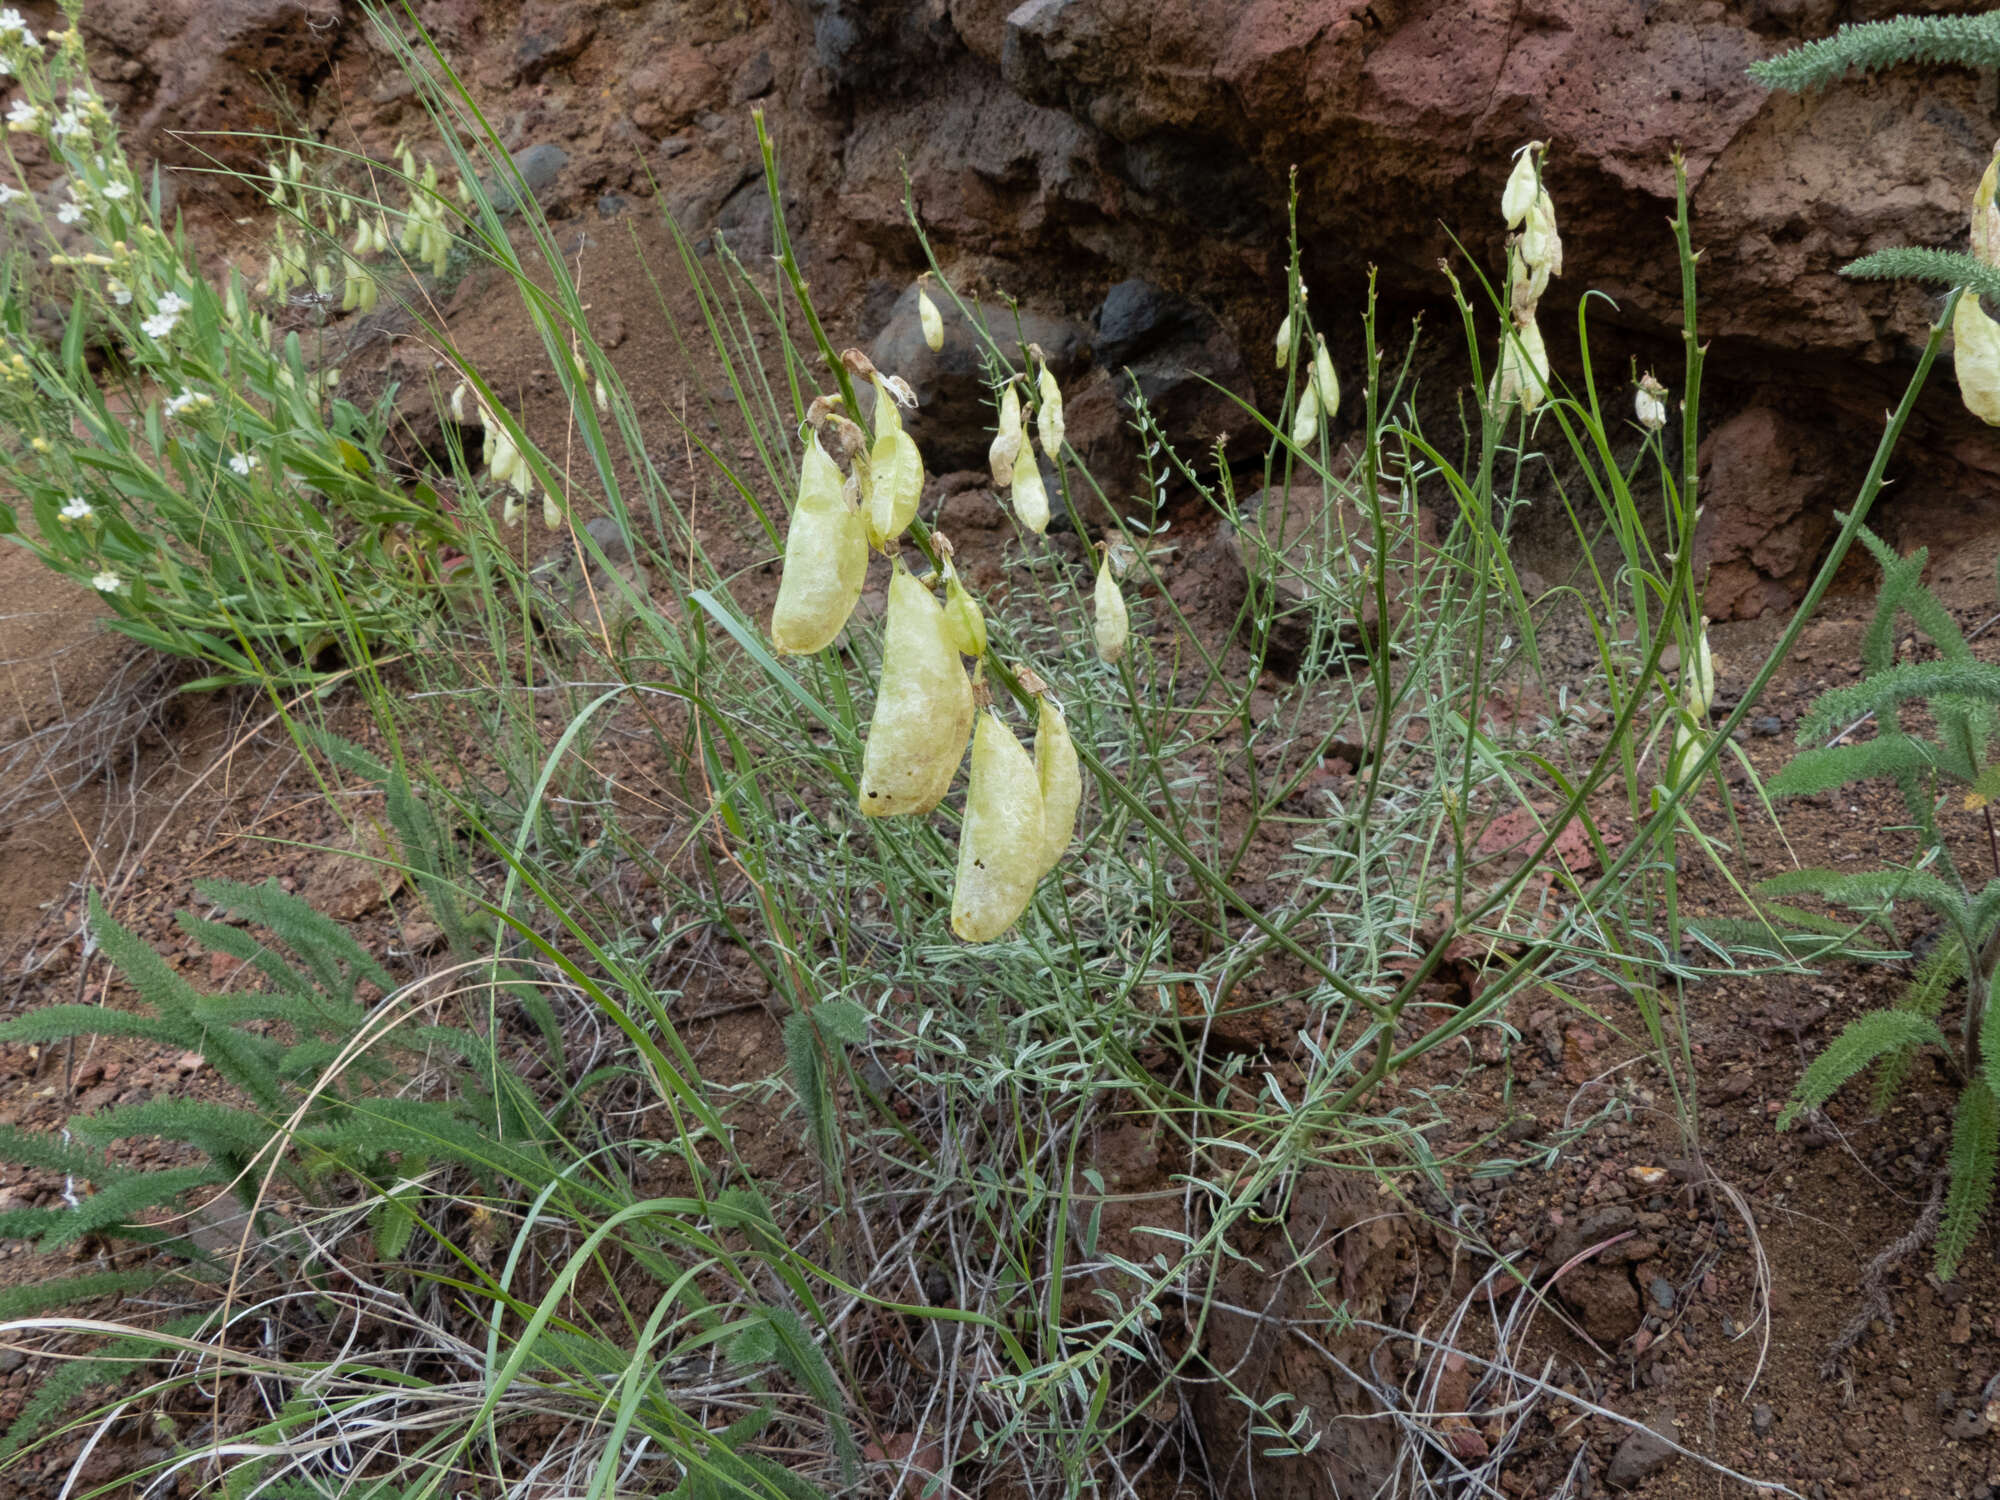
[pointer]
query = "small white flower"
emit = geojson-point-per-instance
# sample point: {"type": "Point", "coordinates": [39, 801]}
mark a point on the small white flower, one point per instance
{"type": "Point", "coordinates": [10, 21]}
{"type": "Point", "coordinates": [70, 212]}
{"type": "Point", "coordinates": [67, 123]}
{"type": "Point", "coordinates": [188, 401]}
{"type": "Point", "coordinates": [120, 293]}
{"type": "Point", "coordinates": [6, 68]}
{"type": "Point", "coordinates": [242, 464]}
{"type": "Point", "coordinates": [159, 325]}
{"type": "Point", "coordinates": [116, 191]}
{"type": "Point", "coordinates": [23, 116]}
{"type": "Point", "coordinates": [9, 194]}
{"type": "Point", "coordinates": [76, 508]}
{"type": "Point", "coordinates": [108, 582]}
{"type": "Point", "coordinates": [173, 303]}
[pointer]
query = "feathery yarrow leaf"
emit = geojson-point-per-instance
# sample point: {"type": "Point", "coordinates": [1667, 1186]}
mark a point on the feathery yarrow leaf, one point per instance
{"type": "Point", "coordinates": [1884, 691]}
{"type": "Point", "coordinates": [1875, 45]}
{"type": "Point", "coordinates": [1975, 1153]}
{"type": "Point", "coordinates": [1864, 1039]}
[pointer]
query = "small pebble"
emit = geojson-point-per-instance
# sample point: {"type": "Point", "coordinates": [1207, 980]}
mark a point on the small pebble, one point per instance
{"type": "Point", "coordinates": [1767, 726]}
{"type": "Point", "coordinates": [1663, 1292]}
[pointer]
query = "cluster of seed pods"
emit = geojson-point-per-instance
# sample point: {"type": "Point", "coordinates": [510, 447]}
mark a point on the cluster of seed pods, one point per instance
{"type": "Point", "coordinates": [859, 493]}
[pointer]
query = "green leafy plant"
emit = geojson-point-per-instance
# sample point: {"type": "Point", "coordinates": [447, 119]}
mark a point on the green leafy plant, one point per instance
{"type": "Point", "coordinates": [181, 448]}
{"type": "Point", "coordinates": [1953, 764]}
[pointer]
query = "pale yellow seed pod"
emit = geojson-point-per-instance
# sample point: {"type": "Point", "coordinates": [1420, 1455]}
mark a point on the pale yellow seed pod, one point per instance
{"type": "Point", "coordinates": [1049, 419]}
{"type": "Point", "coordinates": [1522, 185]}
{"type": "Point", "coordinates": [552, 516]}
{"type": "Point", "coordinates": [1007, 438]}
{"type": "Point", "coordinates": [962, 618]}
{"type": "Point", "coordinates": [1113, 623]}
{"type": "Point", "coordinates": [1523, 374]}
{"type": "Point", "coordinates": [1305, 420]}
{"type": "Point", "coordinates": [895, 484]}
{"type": "Point", "coordinates": [1061, 780]}
{"type": "Point", "coordinates": [1283, 343]}
{"type": "Point", "coordinates": [459, 393]}
{"type": "Point", "coordinates": [1699, 692]}
{"type": "Point", "coordinates": [1326, 384]}
{"type": "Point", "coordinates": [1976, 358]}
{"type": "Point", "coordinates": [826, 559]}
{"type": "Point", "coordinates": [932, 321]}
{"type": "Point", "coordinates": [1986, 214]}
{"type": "Point", "coordinates": [1031, 495]}
{"type": "Point", "coordinates": [923, 708]}
{"type": "Point", "coordinates": [1001, 841]}
{"type": "Point", "coordinates": [1541, 246]}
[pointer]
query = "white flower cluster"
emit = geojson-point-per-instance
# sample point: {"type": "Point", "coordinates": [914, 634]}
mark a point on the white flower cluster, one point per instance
{"type": "Point", "coordinates": [166, 314]}
{"type": "Point", "coordinates": [188, 401]}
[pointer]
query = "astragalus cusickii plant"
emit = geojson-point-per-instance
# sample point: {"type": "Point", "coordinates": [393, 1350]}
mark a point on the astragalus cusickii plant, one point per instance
{"type": "Point", "coordinates": [1151, 905]}
{"type": "Point", "coordinates": [180, 446]}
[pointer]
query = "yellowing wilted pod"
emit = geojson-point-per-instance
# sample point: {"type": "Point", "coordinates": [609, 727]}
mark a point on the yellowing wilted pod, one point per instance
{"type": "Point", "coordinates": [1975, 336]}
{"type": "Point", "coordinates": [826, 559]}
{"type": "Point", "coordinates": [1031, 495]}
{"type": "Point", "coordinates": [933, 324]}
{"type": "Point", "coordinates": [1049, 419]}
{"type": "Point", "coordinates": [923, 708]}
{"type": "Point", "coordinates": [1007, 438]}
{"type": "Point", "coordinates": [962, 620]}
{"type": "Point", "coordinates": [1976, 355]}
{"type": "Point", "coordinates": [1061, 781]}
{"type": "Point", "coordinates": [1113, 623]}
{"type": "Point", "coordinates": [1001, 842]}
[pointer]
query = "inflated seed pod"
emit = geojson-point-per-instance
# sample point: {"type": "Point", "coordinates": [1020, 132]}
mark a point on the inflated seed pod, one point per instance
{"type": "Point", "coordinates": [1113, 624]}
{"type": "Point", "coordinates": [1699, 690]}
{"type": "Point", "coordinates": [895, 484]}
{"type": "Point", "coordinates": [1975, 336]}
{"type": "Point", "coordinates": [1523, 375]}
{"type": "Point", "coordinates": [1061, 781]}
{"type": "Point", "coordinates": [1522, 185]}
{"type": "Point", "coordinates": [1541, 246]}
{"type": "Point", "coordinates": [1031, 495]}
{"type": "Point", "coordinates": [1305, 420]}
{"type": "Point", "coordinates": [1049, 419]}
{"type": "Point", "coordinates": [1326, 384]}
{"type": "Point", "coordinates": [826, 559]}
{"type": "Point", "coordinates": [962, 619]}
{"type": "Point", "coordinates": [1002, 840]}
{"type": "Point", "coordinates": [1006, 438]}
{"type": "Point", "coordinates": [1282, 345]}
{"type": "Point", "coordinates": [933, 324]}
{"type": "Point", "coordinates": [923, 708]}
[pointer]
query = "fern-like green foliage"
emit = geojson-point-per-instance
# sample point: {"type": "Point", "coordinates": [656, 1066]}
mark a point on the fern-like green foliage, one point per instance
{"type": "Point", "coordinates": [1975, 1154]}
{"type": "Point", "coordinates": [1956, 766]}
{"type": "Point", "coordinates": [273, 1048]}
{"type": "Point", "coordinates": [1949, 268]}
{"type": "Point", "coordinates": [1973, 41]}
{"type": "Point", "coordinates": [1866, 1038]}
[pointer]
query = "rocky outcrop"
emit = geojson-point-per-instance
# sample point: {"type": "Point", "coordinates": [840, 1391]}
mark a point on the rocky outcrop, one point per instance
{"type": "Point", "coordinates": [1106, 159]}
{"type": "Point", "coordinates": [199, 80]}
